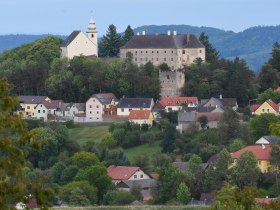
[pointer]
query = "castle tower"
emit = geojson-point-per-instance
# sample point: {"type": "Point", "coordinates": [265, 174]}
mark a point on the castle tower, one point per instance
{"type": "Point", "coordinates": [171, 82]}
{"type": "Point", "coordinates": [92, 34]}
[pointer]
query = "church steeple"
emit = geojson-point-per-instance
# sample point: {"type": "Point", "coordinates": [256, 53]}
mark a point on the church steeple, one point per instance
{"type": "Point", "coordinates": [92, 33]}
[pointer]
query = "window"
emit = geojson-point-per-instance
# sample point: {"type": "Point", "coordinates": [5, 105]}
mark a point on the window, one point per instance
{"type": "Point", "coordinates": [164, 59]}
{"type": "Point", "coordinates": [172, 51]}
{"type": "Point", "coordinates": [97, 106]}
{"type": "Point", "coordinates": [135, 176]}
{"type": "Point", "coordinates": [259, 162]}
{"type": "Point", "coordinates": [171, 59]}
{"type": "Point", "coordinates": [157, 51]}
{"type": "Point", "coordinates": [92, 35]}
{"type": "Point", "coordinates": [38, 111]}
{"type": "Point", "coordinates": [141, 176]}
{"type": "Point", "coordinates": [146, 59]}
{"type": "Point", "coordinates": [267, 110]}
{"type": "Point", "coordinates": [141, 51]}
{"type": "Point", "coordinates": [43, 111]}
{"type": "Point", "coordinates": [122, 110]}
{"type": "Point", "coordinates": [184, 52]}
{"type": "Point", "coordinates": [41, 105]}
{"type": "Point", "coordinates": [152, 51]}
{"type": "Point", "coordinates": [130, 109]}
{"type": "Point", "coordinates": [135, 52]}
{"type": "Point", "coordinates": [90, 106]}
{"type": "Point", "coordinates": [93, 100]}
{"type": "Point", "coordinates": [164, 51]}
{"type": "Point", "coordinates": [168, 77]}
{"type": "Point", "coordinates": [200, 51]}
{"type": "Point", "coordinates": [262, 110]}
{"type": "Point", "coordinates": [90, 112]}
{"type": "Point", "coordinates": [28, 107]}
{"type": "Point", "coordinates": [146, 51]}
{"type": "Point", "coordinates": [97, 112]}
{"type": "Point", "coordinates": [157, 59]}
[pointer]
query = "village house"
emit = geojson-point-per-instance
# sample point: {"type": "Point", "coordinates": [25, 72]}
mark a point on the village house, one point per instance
{"type": "Point", "coordinates": [125, 105]}
{"type": "Point", "coordinates": [68, 111]}
{"type": "Point", "coordinates": [266, 107]}
{"type": "Point", "coordinates": [78, 43]}
{"type": "Point", "coordinates": [261, 152]}
{"type": "Point", "coordinates": [99, 105]}
{"type": "Point", "coordinates": [185, 119]}
{"type": "Point", "coordinates": [176, 103]}
{"type": "Point", "coordinates": [141, 117]}
{"type": "Point", "coordinates": [123, 173]}
{"type": "Point", "coordinates": [146, 185]}
{"type": "Point", "coordinates": [28, 104]}
{"type": "Point", "coordinates": [268, 140]}
{"type": "Point", "coordinates": [220, 102]}
{"type": "Point", "coordinates": [48, 109]}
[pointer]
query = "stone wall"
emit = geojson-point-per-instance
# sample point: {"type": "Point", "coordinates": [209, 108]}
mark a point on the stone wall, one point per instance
{"type": "Point", "coordinates": [171, 82]}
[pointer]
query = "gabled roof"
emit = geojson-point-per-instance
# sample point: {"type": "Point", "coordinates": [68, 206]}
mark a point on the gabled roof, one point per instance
{"type": "Point", "coordinates": [163, 41]}
{"type": "Point", "coordinates": [32, 99]}
{"type": "Point", "coordinates": [135, 103]}
{"type": "Point", "coordinates": [53, 104]}
{"type": "Point", "coordinates": [221, 102]}
{"type": "Point", "coordinates": [271, 103]}
{"type": "Point", "coordinates": [186, 117]}
{"type": "Point", "coordinates": [66, 106]}
{"type": "Point", "coordinates": [105, 98]}
{"type": "Point", "coordinates": [80, 106]}
{"type": "Point", "coordinates": [211, 116]}
{"type": "Point", "coordinates": [260, 151]}
{"type": "Point", "coordinates": [268, 140]}
{"type": "Point", "coordinates": [178, 101]}
{"type": "Point", "coordinates": [70, 38]}
{"type": "Point", "coordinates": [139, 114]}
{"type": "Point", "coordinates": [143, 183]}
{"type": "Point", "coordinates": [200, 108]}
{"type": "Point", "coordinates": [121, 172]}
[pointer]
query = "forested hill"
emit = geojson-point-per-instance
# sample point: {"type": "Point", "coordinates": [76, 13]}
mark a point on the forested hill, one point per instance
{"type": "Point", "coordinates": [11, 41]}
{"type": "Point", "coordinates": [253, 44]}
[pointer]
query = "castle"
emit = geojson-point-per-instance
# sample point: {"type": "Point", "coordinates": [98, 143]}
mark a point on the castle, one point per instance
{"type": "Point", "coordinates": [78, 43]}
{"type": "Point", "coordinates": [175, 50]}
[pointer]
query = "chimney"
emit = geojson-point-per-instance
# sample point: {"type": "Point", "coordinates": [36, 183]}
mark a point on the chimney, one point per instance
{"type": "Point", "coordinates": [143, 33]}
{"type": "Point", "coordinates": [168, 33]}
{"type": "Point", "coordinates": [175, 33]}
{"type": "Point", "coordinates": [221, 96]}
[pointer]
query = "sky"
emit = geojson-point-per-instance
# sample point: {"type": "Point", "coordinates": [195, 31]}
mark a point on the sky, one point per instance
{"type": "Point", "coordinates": [61, 17]}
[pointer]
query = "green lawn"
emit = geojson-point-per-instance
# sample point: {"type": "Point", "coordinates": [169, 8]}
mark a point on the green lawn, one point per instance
{"type": "Point", "coordinates": [145, 149]}
{"type": "Point", "coordinates": [85, 134]}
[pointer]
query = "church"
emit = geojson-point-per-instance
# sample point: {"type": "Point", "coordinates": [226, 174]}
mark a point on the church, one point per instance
{"type": "Point", "coordinates": [80, 43]}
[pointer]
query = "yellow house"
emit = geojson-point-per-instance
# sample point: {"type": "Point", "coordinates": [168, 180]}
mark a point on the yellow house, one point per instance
{"type": "Point", "coordinates": [261, 152]}
{"type": "Point", "coordinates": [141, 117]}
{"type": "Point", "coordinates": [28, 104]}
{"type": "Point", "coordinates": [267, 107]}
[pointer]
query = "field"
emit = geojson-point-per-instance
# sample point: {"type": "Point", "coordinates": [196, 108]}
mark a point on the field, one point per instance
{"type": "Point", "coordinates": [92, 134]}
{"type": "Point", "coordinates": [145, 149]}
{"type": "Point", "coordinates": [144, 207]}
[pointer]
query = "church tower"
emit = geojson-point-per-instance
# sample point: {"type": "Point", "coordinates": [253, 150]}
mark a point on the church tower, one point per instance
{"type": "Point", "coordinates": [92, 34]}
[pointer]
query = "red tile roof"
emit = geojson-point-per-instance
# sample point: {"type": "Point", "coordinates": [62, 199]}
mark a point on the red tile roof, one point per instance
{"type": "Point", "coordinates": [148, 198]}
{"type": "Point", "coordinates": [278, 89]}
{"type": "Point", "coordinates": [261, 152]}
{"type": "Point", "coordinates": [254, 107]}
{"type": "Point", "coordinates": [121, 172]}
{"type": "Point", "coordinates": [52, 104]}
{"type": "Point", "coordinates": [273, 105]}
{"type": "Point", "coordinates": [264, 200]}
{"type": "Point", "coordinates": [154, 175]}
{"type": "Point", "coordinates": [139, 114]}
{"type": "Point", "coordinates": [178, 101]}
{"type": "Point", "coordinates": [211, 116]}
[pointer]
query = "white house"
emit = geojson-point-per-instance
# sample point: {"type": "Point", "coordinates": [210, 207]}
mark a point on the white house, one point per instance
{"type": "Point", "coordinates": [68, 110]}
{"type": "Point", "coordinates": [100, 104]}
{"type": "Point", "coordinates": [78, 43]}
{"type": "Point", "coordinates": [125, 105]}
{"type": "Point", "coordinates": [176, 103]}
{"type": "Point", "coordinates": [50, 107]}
{"type": "Point", "coordinates": [120, 173]}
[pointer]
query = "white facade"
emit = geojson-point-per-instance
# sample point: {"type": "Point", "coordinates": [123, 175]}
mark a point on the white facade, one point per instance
{"type": "Point", "coordinates": [138, 175]}
{"type": "Point", "coordinates": [126, 111]}
{"type": "Point", "coordinates": [41, 112]}
{"type": "Point", "coordinates": [94, 110]}
{"type": "Point", "coordinates": [79, 43]}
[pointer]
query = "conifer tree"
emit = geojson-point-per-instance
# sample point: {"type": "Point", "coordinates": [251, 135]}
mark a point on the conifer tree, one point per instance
{"type": "Point", "coordinates": [128, 33]}
{"type": "Point", "coordinates": [275, 60]}
{"type": "Point", "coordinates": [212, 55]}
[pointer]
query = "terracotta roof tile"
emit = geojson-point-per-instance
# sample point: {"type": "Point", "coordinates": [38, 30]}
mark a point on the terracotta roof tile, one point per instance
{"type": "Point", "coordinates": [53, 104]}
{"type": "Point", "coordinates": [261, 152]}
{"type": "Point", "coordinates": [211, 116]}
{"type": "Point", "coordinates": [273, 105]}
{"type": "Point", "coordinates": [254, 107]}
{"type": "Point", "coordinates": [278, 89]}
{"type": "Point", "coordinates": [178, 101]}
{"type": "Point", "coordinates": [139, 114]}
{"type": "Point", "coordinates": [121, 172]}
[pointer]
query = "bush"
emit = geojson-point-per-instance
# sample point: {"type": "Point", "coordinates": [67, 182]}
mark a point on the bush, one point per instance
{"type": "Point", "coordinates": [119, 197]}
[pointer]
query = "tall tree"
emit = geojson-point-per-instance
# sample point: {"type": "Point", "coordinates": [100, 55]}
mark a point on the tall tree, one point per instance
{"type": "Point", "coordinates": [269, 77]}
{"type": "Point", "coordinates": [111, 43]}
{"type": "Point", "coordinates": [275, 60]}
{"type": "Point", "coordinates": [128, 33]}
{"type": "Point", "coordinates": [212, 55]}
